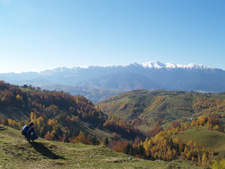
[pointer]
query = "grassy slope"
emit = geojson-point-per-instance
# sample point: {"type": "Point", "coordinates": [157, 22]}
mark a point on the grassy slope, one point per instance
{"type": "Point", "coordinates": [101, 133]}
{"type": "Point", "coordinates": [16, 152]}
{"type": "Point", "coordinates": [205, 138]}
{"type": "Point", "coordinates": [146, 105]}
{"type": "Point", "coordinates": [144, 99]}
{"type": "Point", "coordinates": [17, 113]}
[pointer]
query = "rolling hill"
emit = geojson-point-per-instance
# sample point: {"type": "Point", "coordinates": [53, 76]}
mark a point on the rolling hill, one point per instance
{"type": "Point", "coordinates": [62, 117]}
{"type": "Point", "coordinates": [15, 152]}
{"type": "Point", "coordinates": [61, 114]}
{"type": "Point", "coordinates": [205, 138]}
{"type": "Point", "coordinates": [150, 106]}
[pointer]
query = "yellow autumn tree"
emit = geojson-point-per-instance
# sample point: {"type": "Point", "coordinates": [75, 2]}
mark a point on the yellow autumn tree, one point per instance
{"type": "Point", "coordinates": [204, 159]}
{"type": "Point", "coordinates": [33, 117]}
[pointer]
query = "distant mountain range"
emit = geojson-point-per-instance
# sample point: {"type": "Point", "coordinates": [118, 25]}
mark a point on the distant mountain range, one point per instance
{"type": "Point", "coordinates": [150, 75]}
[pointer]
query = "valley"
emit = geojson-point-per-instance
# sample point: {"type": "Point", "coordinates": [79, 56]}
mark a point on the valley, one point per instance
{"type": "Point", "coordinates": [139, 123]}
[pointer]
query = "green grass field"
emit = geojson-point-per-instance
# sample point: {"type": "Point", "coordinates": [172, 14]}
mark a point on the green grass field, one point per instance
{"type": "Point", "coordinates": [151, 106]}
{"type": "Point", "coordinates": [205, 138]}
{"type": "Point", "coordinates": [16, 152]}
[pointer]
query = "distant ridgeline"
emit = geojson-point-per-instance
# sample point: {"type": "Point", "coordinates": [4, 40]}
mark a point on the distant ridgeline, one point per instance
{"type": "Point", "coordinates": [93, 81]}
{"type": "Point", "coordinates": [149, 125]}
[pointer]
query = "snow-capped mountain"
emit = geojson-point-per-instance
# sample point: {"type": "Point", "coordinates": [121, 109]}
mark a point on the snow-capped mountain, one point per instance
{"type": "Point", "coordinates": [159, 65]}
{"type": "Point", "coordinates": [150, 75]}
{"type": "Point", "coordinates": [150, 65]}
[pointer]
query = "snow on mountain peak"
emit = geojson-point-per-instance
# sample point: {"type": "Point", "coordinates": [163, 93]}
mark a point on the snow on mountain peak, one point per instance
{"type": "Point", "coordinates": [159, 65]}
{"type": "Point", "coordinates": [154, 64]}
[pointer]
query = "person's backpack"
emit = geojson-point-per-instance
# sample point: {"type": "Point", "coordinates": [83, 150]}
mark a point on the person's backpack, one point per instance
{"type": "Point", "coordinates": [25, 130]}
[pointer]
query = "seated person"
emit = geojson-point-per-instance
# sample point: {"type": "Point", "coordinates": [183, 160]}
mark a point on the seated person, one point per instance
{"type": "Point", "coordinates": [28, 132]}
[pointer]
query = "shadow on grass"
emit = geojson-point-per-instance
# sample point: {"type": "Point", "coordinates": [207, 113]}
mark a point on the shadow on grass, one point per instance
{"type": "Point", "coordinates": [39, 147]}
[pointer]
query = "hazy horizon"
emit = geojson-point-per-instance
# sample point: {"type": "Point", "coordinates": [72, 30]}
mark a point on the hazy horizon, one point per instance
{"type": "Point", "coordinates": [38, 71]}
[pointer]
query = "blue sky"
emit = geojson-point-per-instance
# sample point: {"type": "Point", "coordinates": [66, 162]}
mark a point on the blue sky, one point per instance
{"type": "Point", "coordinates": [45, 34]}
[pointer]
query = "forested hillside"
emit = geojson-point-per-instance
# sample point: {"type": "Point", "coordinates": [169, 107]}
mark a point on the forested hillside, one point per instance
{"type": "Point", "coordinates": [186, 125]}
{"type": "Point", "coordinates": [57, 115]}
{"type": "Point", "coordinates": [146, 108]}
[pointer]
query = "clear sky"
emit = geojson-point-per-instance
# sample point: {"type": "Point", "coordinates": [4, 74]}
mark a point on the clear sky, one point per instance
{"type": "Point", "coordinates": [45, 34]}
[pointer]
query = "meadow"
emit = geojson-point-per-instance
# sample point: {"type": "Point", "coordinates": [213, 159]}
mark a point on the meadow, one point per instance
{"type": "Point", "coordinates": [16, 152]}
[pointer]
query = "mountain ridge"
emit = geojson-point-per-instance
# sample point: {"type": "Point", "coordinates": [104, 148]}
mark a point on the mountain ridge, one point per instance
{"type": "Point", "coordinates": [151, 64]}
{"type": "Point", "coordinates": [150, 75]}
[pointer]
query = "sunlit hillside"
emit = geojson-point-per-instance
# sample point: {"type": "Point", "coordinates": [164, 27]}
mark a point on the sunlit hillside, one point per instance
{"type": "Point", "coordinates": [16, 152]}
